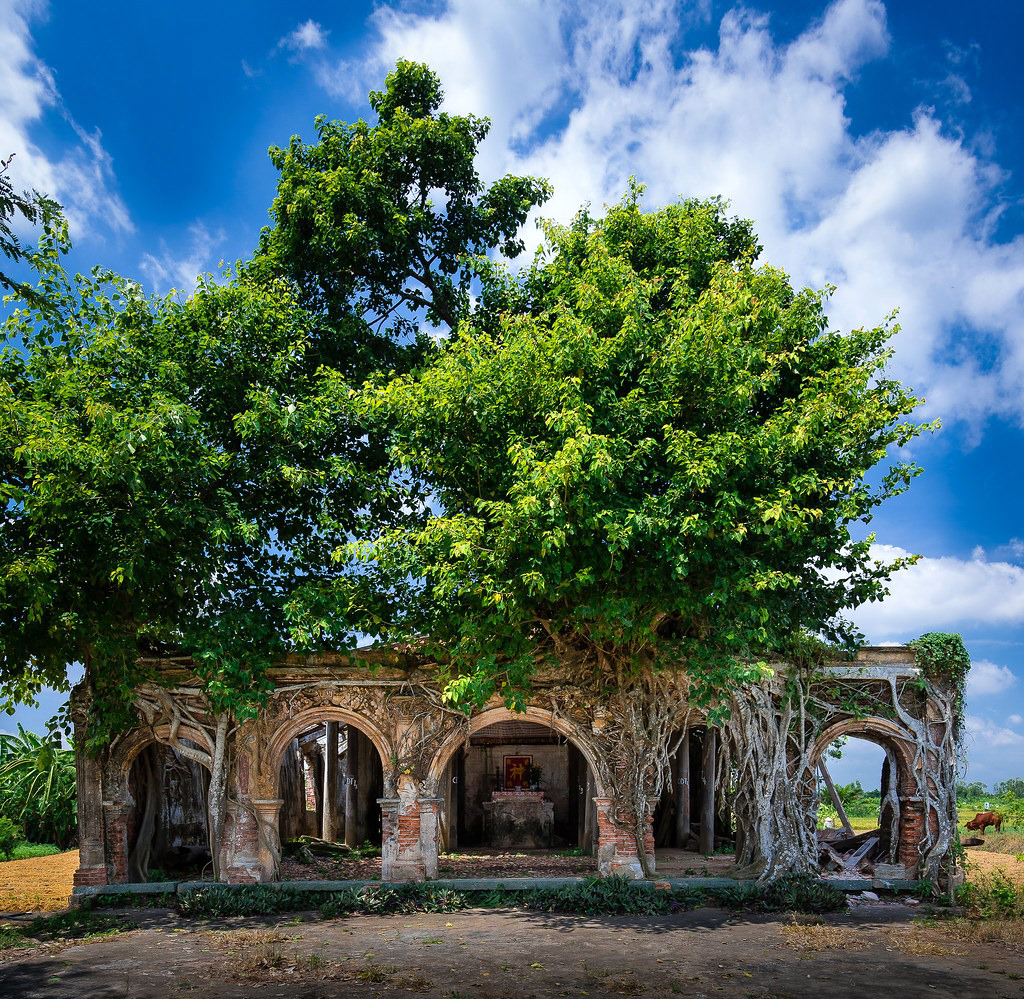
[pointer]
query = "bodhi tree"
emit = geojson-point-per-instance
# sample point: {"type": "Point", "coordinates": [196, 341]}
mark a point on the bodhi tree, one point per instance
{"type": "Point", "coordinates": [645, 457]}
{"type": "Point", "coordinates": [175, 470]}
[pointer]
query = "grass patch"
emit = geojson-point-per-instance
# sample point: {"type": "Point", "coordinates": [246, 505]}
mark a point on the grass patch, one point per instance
{"type": "Point", "coordinates": [817, 936]}
{"type": "Point", "coordinates": [1010, 841]}
{"type": "Point", "coordinates": [74, 924]}
{"type": "Point", "coordinates": [1008, 932]}
{"type": "Point", "coordinates": [26, 851]}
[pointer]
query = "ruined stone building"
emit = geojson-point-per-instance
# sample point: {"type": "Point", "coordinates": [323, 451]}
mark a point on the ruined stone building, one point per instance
{"type": "Point", "coordinates": [353, 753]}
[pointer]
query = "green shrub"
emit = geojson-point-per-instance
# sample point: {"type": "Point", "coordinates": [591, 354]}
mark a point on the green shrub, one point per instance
{"type": "Point", "coordinates": [992, 896]}
{"type": "Point", "coordinates": [10, 836]}
{"type": "Point", "coordinates": [798, 893]}
{"type": "Point", "coordinates": [25, 851]}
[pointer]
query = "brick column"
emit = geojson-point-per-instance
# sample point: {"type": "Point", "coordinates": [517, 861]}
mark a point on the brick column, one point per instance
{"type": "Point", "coordinates": [616, 844]}
{"type": "Point", "coordinates": [409, 825]}
{"type": "Point", "coordinates": [389, 836]}
{"type": "Point", "coordinates": [92, 861]}
{"type": "Point", "coordinates": [912, 821]}
{"type": "Point", "coordinates": [241, 854]}
{"type": "Point", "coordinates": [268, 812]}
{"type": "Point", "coordinates": [116, 818]}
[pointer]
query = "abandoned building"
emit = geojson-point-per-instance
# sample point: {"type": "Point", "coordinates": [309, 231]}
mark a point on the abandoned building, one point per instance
{"type": "Point", "coordinates": [351, 754]}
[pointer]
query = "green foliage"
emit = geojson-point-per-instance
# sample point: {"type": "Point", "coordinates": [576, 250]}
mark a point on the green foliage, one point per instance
{"type": "Point", "coordinates": [32, 207]}
{"type": "Point", "coordinates": [10, 836]}
{"type": "Point", "coordinates": [646, 446]}
{"type": "Point", "coordinates": [376, 216]}
{"type": "Point", "coordinates": [974, 791]}
{"type": "Point", "coordinates": [944, 659]}
{"type": "Point", "coordinates": [1012, 785]}
{"type": "Point", "coordinates": [992, 896]}
{"type": "Point", "coordinates": [1012, 807]}
{"type": "Point", "coordinates": [798, 893]}
{"type": "Point", "coordinates": [26, 851]}
{"type": "Point", "coordinates": [37, 787]}
{"type": "Point", "coordinates": [596, 896]}
{"type": "Point", "coordinates": [174, 471]}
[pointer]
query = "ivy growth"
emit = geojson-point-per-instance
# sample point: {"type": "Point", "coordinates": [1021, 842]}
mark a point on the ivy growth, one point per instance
{"type": "Point", "coordinates": [943, 659]}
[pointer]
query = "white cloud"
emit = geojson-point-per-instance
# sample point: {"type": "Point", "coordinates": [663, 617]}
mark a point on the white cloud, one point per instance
{"type": "Point", "coordinates": [987, 678]}
{"type": "Point", "coordinates": [1015, 719]}
{"type": "Point", "coordinates": [308, 36]}
{"type": "Point", "coordinates": [83, 178]}
{"type": "Point", "coordinates": [179, 270]}
{"type": "Point", "coordinates": [985, 732]}
{"type": "Point", "coordinates": [943, 594]}
{"type": "Point", "coordinates": [589, 94]}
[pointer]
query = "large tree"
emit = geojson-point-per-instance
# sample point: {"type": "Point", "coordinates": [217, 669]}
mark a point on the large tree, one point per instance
{"type": "Point", "coordinates": [660, 442]}
{"type": "Point", "coordinates": [646, 455]}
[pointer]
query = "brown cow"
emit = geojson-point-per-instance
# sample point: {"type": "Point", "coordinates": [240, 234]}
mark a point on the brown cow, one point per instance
{"type": "Point", "coordinates": [983, 819]}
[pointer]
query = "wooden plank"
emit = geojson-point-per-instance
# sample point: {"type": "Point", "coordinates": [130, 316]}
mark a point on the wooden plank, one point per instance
{"type": "Point", "coordinates": [836, 803]}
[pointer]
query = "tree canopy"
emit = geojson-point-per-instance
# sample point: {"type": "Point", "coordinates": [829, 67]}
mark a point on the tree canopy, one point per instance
{"type": "Point", "coordinates": [176, 469]}
{"type": "Point", "coordinates": [649, 450]}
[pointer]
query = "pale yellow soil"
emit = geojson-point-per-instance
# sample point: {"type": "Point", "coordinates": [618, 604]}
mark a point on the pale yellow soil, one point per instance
{"type": "Point", "coordinates": [37, 884]}
{"type": "Point", "coordinates": [984, 862]}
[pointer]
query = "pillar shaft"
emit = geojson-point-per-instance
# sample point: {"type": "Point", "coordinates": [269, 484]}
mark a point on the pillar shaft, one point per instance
{"type": "Point", "coordinates": [707, 815]}
{"type": "Point", "coordinates": [329, 828]}
{"type": "Point", "coordinates": [683, 823]}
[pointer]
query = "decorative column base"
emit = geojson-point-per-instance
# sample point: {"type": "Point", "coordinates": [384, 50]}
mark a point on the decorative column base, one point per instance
{"type": "Point", "coordinates": [409, 848]}
{"type": "Point", "coordinates": [617, 854]}
{"type": "Point", "coordinates": [95, 875]}
{"type": "Point", "coordinates": [241, 853]}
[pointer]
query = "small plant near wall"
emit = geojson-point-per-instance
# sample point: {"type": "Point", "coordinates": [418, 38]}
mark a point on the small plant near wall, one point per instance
{"type": "Point", "coordinates": [533, 777]}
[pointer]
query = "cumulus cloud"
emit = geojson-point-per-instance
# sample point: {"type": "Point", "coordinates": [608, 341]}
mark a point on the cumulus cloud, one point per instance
{"type": "Point", "coordinates": [944, 593]}
{"type": "Point", "coordinates": [169, 269]}
{"type": "Point", "coordinates": [83, 178]}
{"type": "Point", "coordinates": [984, 731]}
{"type": "Point", "coordinates": [308, 36]}
{"type": "Point", "coordinates": [987, 678]}
{"type": "Point", "coordinates": [588, 95]}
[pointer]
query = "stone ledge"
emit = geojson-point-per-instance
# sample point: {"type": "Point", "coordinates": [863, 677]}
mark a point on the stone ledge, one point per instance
{"type": "Point", "coordinates": [468, 884]}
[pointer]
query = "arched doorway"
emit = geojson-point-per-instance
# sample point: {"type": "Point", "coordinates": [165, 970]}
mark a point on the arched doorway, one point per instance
{"type": "Point", "coordinates": [860, 771]}
{"type": "Point", "coordinates": [166, 824]}
{"type": "Point", "coordinates": [517, 798]}
{"type": "Point", "coordinates": [330, 776]}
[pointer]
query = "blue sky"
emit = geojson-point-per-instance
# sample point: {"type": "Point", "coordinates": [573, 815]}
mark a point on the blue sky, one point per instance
{"type": "Point", "coordinates": [878, 147]}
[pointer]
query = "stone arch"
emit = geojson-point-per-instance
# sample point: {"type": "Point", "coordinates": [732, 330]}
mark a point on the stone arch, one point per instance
{"type": "Point", "coordinates": [499, 713]}
{"type": "Point", "coordinates": [882, 731]}
{"type": "Point", "coordinates": [303, 721]}
{"type": "Point", "coordinates": [901, 812]}
{"type": "Point", "coordinates": [124, 754]}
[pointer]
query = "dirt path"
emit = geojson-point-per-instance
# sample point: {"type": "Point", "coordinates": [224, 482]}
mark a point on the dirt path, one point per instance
{"type": "Point", "coordinates": [518, 955]}
{"type": "Point", "coordinates": [38, 884]}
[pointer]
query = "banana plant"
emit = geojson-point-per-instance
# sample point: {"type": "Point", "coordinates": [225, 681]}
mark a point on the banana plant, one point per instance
{"type": "Point", "coordinates": [37, 787]}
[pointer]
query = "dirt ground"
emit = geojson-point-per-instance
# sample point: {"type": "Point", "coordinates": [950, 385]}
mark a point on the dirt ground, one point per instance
{"type": "Point", "coordinates": [487, 954]}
